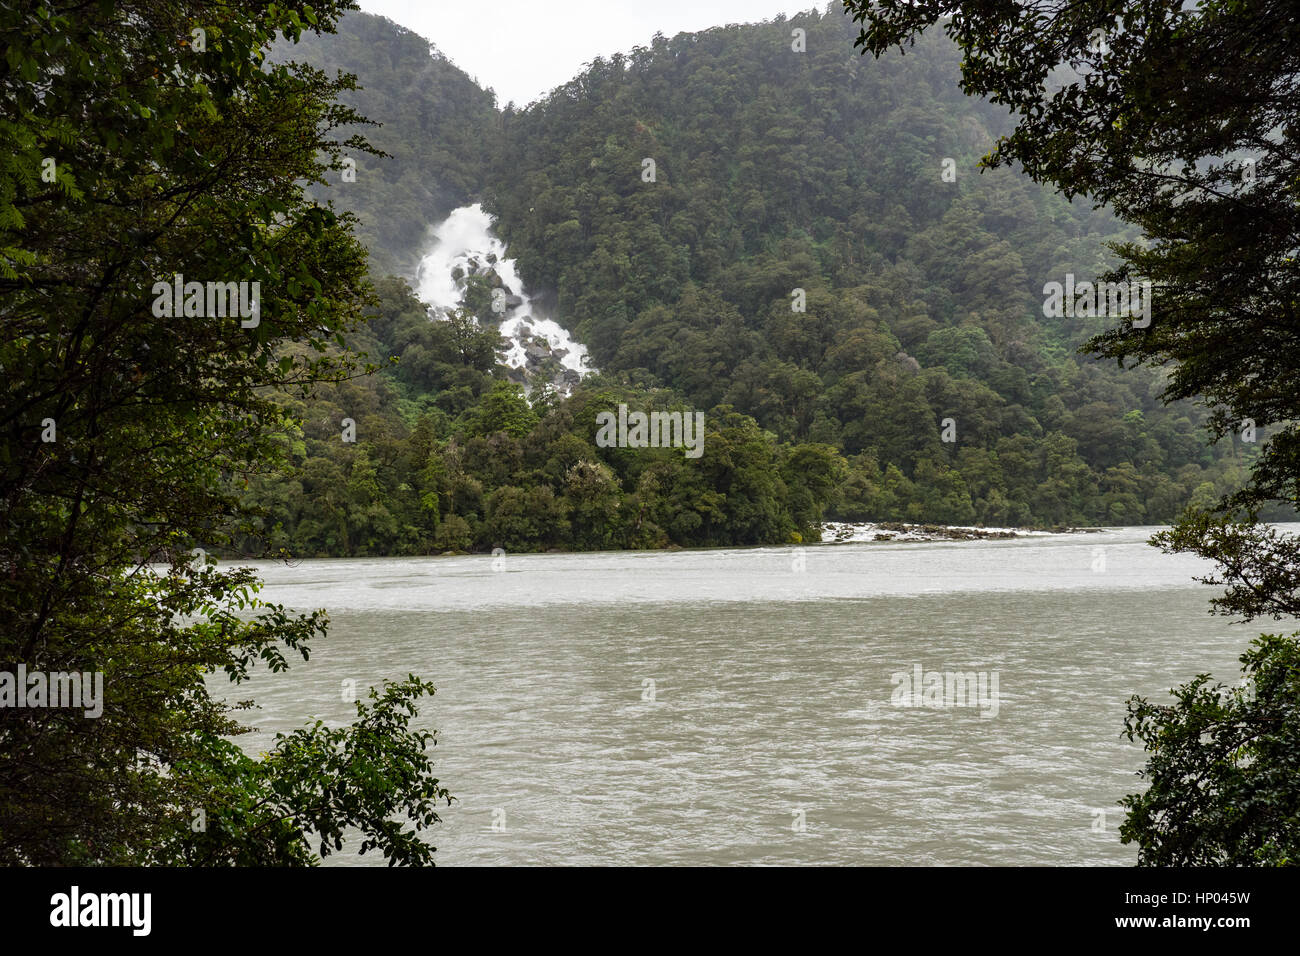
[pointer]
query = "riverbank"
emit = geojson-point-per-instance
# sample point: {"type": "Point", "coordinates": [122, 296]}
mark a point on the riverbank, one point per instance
{"type": "Point", "coordinates": [845, 533]}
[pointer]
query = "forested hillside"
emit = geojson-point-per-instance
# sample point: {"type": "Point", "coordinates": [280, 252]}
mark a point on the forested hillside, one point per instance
{"type": "Point", "coordinates": [778, 176]}
{"type": "Point", "coordinates": [433, 123]}
{"type": "Point", "coordinates": [446, 455]}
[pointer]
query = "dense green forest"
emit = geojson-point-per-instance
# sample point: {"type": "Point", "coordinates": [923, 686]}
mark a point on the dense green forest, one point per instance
{"type": "Point", "coordinates": [444, 454]}
{"type": "Point", "coordinates": [778, 176]}
{"type": "Point", "coordinates": [435, 124]}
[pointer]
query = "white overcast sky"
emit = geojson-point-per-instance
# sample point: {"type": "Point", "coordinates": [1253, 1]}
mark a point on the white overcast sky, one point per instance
{"type": "Point", "coordinates": [525, 48]}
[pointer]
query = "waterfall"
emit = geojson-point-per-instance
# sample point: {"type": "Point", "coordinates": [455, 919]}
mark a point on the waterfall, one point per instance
{"type": "Point", "coordinates": [536, 346]}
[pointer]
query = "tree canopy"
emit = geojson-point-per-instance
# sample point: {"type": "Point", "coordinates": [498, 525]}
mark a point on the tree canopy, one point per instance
{"type": "Point", "coordinates": [801, 258]}
{"type": "Point", "coordinates": [149, 144]}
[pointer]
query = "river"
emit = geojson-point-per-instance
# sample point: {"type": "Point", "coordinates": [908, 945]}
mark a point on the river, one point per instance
{"type": "Point", "coordinates": [741, 705]}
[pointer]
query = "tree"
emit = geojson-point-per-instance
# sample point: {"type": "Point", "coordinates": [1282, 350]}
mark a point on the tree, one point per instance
{"type": "Point", "coordinates": [131, 429]}
{"type": "Point", "coordinates": [592, 493]}
{"type": "Point", "coordinates": [1223, 768]}
{"type": "Point", "coordinates": [1183, 118]}
{"type": "Point", "coordinates": [800, 257]}
{"type": "Point", "coordinates": [1180, 117]}
{"type": "Point", "coordinates": [505, 409]}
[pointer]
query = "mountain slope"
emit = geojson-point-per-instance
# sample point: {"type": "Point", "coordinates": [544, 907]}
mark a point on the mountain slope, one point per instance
{"type": "Point", "coordinates": [778, 170]}
{"type": "Point", "coordinates": [436, 125]}
{"type": "Point", "coordinates": [778, 176]}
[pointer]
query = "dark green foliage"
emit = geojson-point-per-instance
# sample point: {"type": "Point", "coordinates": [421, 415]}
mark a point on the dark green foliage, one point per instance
{"type": "Point", "coordinates": [376, 768]}
{"type": "Point", "coordinates": [448, 456]}
{"type": "Point", "coordinates": [130, 436]}
{"type": "Point", "coordinates": [1182, 120]}
{"type": "Point", "coordinates": [820, 171]}
{"type": "Point", "coordinates": [1224, 771]}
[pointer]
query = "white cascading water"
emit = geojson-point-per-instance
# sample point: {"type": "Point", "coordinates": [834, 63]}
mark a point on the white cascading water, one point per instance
{"type": "Point", "coordinates": [464, 241]}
